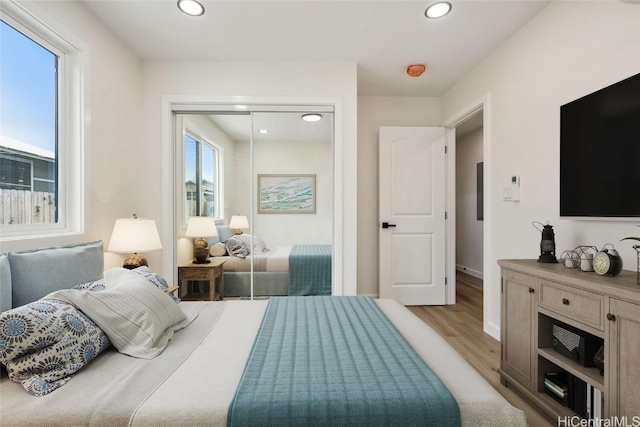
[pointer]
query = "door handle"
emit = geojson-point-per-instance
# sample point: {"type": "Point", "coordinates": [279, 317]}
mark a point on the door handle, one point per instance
{"type": "Point", "coordinates": [387, 225]}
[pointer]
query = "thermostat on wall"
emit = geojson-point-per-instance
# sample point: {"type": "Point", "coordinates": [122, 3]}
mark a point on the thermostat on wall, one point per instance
{"type": "Point", "coordinates": [515, 188]}
{"type": "Point", "coordinates": [512, 192]}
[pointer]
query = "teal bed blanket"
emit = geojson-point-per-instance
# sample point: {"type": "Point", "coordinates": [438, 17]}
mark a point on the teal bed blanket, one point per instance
{"type": "Point", "coordinates": [310, 270]}
{"type": "Point", "coordinates": [336, 361]}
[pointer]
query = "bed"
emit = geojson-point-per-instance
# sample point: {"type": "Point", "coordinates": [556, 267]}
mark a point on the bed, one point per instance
{"type": "Point", "coordinates": [198, 377]}
{"type": "Point", "coordinates": [298, 270]}
{"type": "Point", "coordinates": [270, 270]}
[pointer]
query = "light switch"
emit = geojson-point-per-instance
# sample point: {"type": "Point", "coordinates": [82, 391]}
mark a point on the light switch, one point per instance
{"type": "Point", "coordinates": [506, 194]}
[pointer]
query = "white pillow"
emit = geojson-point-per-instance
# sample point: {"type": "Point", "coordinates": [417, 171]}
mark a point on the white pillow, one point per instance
{"type": "Point", "coordinates": [219, 249]}
{"type": "Point", "coordinates": [258, 245]}
{"type": "Point", "coordinates": [139, 319]}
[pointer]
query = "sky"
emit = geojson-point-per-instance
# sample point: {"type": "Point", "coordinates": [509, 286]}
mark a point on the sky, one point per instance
{"type": "Point", "coordinates": [27, 90]}
{"type": "Point", "coordinates": [190, 161]}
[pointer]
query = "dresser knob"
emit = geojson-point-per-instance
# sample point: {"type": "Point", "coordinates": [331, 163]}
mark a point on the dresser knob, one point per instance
{"type": "Point", "coordinates": [565, 301]}
{"type": "Point", "coordinates": [531, 290]}
{"type": "Point", "coordinates": [611, 317]}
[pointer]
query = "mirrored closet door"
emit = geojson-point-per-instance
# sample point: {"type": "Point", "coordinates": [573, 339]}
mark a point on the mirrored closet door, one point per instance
{"type": "Point", "coordinates": [266, 179]}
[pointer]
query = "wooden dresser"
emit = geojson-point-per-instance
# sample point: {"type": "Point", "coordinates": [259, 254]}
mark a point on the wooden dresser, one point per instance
{"type": "Point", "coordinates": [534, 297]}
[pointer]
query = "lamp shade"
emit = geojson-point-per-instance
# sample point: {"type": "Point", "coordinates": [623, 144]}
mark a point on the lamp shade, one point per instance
{"type": "Point", "coordinates": [238, 222]}
{"type": "Point", "coordinates": [201, 226]}
{"type": "Point", "coordinates": [134, 235]}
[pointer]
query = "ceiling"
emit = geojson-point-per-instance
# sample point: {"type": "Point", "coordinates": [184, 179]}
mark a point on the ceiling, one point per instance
{"type": "Point", "coordinates": [281, 126]}
{"type": "Point", "coordinates": [382, 37]}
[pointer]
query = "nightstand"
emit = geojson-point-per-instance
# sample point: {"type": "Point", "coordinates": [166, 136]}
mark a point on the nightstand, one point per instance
{"type": "Point", "coordinates": [173, 290]}
{"type": "Point", "coordinates": [211, 272]}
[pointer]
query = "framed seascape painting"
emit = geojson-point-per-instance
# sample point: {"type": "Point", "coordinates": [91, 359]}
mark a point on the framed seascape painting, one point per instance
{"type": "Point", "coordinates": [286, 194]}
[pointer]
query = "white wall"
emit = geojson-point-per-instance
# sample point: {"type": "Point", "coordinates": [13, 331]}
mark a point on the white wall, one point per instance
{"type": "Point", "coordinates": [291, 157]}
{"type": "Point", "coordinates": [469, 238]}
{"type": "Point", "coordinates": [374, 112]}
{"type": "Point", "coordinates": [112, 154]}
{"type": "Point", "coordinates": [267, 81]}
{"type": "Point", "coordinates": [568, 50]}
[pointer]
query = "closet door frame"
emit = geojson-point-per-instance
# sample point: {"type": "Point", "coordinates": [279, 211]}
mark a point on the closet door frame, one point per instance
{"type": "Point", "coordinates": [173, 104]}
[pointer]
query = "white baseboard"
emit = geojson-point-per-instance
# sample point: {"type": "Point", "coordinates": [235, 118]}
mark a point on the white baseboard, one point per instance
{"type": "Point", "coordinates": [492, 330]}
{"type": "Point", "coordinates": [470, 271]}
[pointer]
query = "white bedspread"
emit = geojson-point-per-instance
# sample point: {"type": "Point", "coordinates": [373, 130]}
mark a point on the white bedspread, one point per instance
{"type": "Point", "coordinates": [199, 388]}
{"type": "Point", "coordinates": [271, 260]}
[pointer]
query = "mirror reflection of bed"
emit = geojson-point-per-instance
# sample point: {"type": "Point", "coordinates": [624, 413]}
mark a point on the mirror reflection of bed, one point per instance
{"type": "Point", "coordinates": [274, 169]}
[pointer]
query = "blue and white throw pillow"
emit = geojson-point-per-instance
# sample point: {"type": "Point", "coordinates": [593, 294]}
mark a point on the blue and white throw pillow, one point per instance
{"type": "Point", "coordinates": [235, 246]}
{"type": "Point", "coordinates": [42, 344]}
{"type": "Point", "coordinates": [98, 285]}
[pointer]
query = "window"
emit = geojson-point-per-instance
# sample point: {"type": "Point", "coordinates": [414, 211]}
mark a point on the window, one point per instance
{"type": "Point", "coordinates": [201, 177]}
{"type": "Point", "coordinates": [42, 100]}
{"type": "Point", "coordinates": [29, 108]}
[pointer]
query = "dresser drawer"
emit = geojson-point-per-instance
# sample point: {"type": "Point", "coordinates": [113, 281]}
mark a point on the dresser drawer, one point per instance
{"type": "Point", "coordinates": [194, 274]}
{"type": "Point", "coordinates": [583, 306]}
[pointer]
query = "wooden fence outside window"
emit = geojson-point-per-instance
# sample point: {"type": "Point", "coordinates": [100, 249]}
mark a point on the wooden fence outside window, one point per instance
{"type": "Point", "coordinates": [27, 207]}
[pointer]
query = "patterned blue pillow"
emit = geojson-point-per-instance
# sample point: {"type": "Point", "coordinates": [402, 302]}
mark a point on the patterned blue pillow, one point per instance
{"type": "Point", "coordinates": [235, 246]}
{"type": "Point", "coordinates": [98, 285]}
{"type": "Point", "coordinates": [42, 344]}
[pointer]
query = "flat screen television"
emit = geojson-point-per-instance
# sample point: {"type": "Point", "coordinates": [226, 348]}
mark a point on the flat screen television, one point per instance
{"type": "Point", "coordinates": [600, 153]}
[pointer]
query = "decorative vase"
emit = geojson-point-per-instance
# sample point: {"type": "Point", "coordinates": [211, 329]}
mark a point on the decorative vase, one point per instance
{"type": "Point", "coordinates": [200, 251]}
{"type": "Point", "coordinates": [598, 359]}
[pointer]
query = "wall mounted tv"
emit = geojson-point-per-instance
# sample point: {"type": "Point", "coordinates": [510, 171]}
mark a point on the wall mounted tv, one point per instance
{"type": "Point", "coordinates": [600, 153]}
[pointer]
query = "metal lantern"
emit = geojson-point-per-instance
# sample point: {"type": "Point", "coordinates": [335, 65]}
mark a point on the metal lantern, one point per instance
{"type": "Point", "coordinates": [547, 244]}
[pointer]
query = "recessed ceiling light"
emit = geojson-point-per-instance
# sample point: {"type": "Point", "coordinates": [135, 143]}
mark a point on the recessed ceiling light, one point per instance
{"type": "Point", "coordinates": [263, 131]}
{"type": "Point", "coordinates": [241, 107]}
{"type": "Point", "coordinates": [313, 117]}
{"type": "Point", "coordinates": [191, 7]}
{"type": "Point", "coordinates": [438, 10]}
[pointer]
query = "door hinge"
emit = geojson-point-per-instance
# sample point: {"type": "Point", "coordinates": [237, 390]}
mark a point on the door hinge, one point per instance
{"type": "Point", "coordinates": [446, 281]}
{"type": "Point", "coordinates": [501, 286]}
{"type": "Point", "coordinates": [445, 149]}
{"type": "Point", "coordinates": [446, 215]}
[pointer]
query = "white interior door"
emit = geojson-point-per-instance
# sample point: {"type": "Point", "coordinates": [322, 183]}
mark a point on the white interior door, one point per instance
{"type": "Point", "coordinates": [412, 215]}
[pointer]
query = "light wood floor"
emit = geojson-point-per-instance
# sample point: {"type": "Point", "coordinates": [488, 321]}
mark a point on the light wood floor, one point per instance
{"type": "Point", "coordinates": [461, 326]}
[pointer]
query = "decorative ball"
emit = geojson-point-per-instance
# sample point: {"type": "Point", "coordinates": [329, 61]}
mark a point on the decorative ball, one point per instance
{"type": "Point", "coordinates": [200, 252]}
{"type": "Point", "coordinates": [135, 261]}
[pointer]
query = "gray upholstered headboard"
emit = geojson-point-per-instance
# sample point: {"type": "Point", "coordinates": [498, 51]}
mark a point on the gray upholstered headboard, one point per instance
{"type": "Point", "coordinates": [28, 276]}
{"type": "Point", "coordinates": [224, 232]}
{"type": "Point", "coordinates": [5, 284]}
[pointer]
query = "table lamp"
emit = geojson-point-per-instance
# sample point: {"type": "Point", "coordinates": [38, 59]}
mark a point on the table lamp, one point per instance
{"type": "Point", "coordinates": [134, 235]}
{"type": "Point", "coordinates": [201, 227]}
{"type": "Point", "coordinates": [238, 222]}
